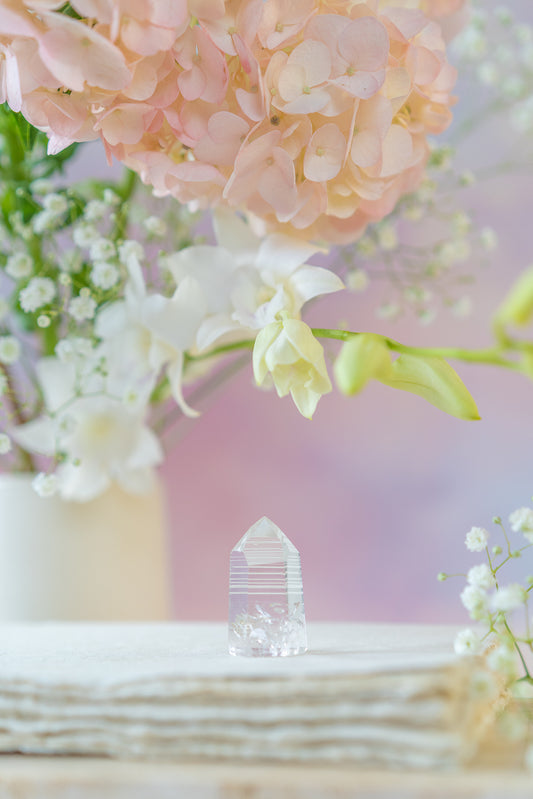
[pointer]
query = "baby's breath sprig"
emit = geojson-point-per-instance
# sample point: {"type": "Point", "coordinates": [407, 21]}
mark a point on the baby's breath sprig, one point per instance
{"type": "Point", "coordinates": [502, 610]}
{"type": "Point", "coordinates": [487, 599]}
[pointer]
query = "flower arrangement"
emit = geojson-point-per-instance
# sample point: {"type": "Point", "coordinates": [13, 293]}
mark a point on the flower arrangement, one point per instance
{"type": "Point", "coordinates": [299, 124]}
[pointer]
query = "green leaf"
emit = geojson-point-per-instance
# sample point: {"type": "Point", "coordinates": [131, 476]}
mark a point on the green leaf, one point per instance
{"type": "Point", "coordinates": [362, 357]}
{"type": "Point", "coordinates": [433, 379]}
{"type": "Point", "coordinates": [517, 307]}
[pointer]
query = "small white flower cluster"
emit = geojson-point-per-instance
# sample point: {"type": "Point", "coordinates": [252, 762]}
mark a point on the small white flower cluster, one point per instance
{"type": "Point", "coordinates": [10, 350]}
{"type": "Point", "coordinates": [483, 577]}
{"type": "Point", "coordinates": [55, 210]}
{"type": "Point", "coordinates": [492, 603]}
{"type": "Point", "coordinates": [521, 521]}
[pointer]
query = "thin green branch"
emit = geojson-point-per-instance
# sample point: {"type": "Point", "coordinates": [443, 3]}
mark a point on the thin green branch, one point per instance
{"type": "Point", "coordinates": [247, 344]}
{"type": "Point", "coordinates": [515, 644]}
{"type": "Point", "coordinates": [491, 355]}
{"type": "Point", "coordinates": [25, 459]}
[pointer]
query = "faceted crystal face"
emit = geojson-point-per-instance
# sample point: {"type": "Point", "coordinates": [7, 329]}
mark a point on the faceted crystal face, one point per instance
{"type": "Point", "coordinates": [266, 603]}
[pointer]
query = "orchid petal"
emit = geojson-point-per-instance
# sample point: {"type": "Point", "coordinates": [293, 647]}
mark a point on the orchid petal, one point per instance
{"type": "Point", "coordinates": [37, 436]}
{"type": "Point", "coordinates": [312, 281]}
{"type": "Point", "coordinates": [175, 378]}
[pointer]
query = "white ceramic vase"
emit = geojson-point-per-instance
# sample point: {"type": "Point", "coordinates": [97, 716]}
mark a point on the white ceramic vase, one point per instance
{"type": "Point", "coordinates": [100, 560]}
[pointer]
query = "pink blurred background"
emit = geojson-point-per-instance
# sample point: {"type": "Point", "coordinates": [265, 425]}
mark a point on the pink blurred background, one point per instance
{"type": "Point", "coordinates": [378, 491]}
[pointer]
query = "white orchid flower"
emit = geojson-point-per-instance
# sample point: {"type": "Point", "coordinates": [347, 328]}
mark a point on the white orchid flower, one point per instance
{"type": "Point", "coordinates": [100, 440]}
{"type": "Point", "coordinates": [145, 333]}
{"type": "Point", "coordinates": [270, 276]}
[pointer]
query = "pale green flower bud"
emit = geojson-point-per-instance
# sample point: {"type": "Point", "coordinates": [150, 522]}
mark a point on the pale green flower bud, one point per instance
{"type": "Point", "coordinates": [361, 358]}
{"type": "Point", "coordinates": [517, 307]}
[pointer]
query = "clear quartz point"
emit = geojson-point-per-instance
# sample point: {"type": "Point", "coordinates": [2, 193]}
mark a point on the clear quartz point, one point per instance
{"type": "Point", "coordinates": [266, 602]}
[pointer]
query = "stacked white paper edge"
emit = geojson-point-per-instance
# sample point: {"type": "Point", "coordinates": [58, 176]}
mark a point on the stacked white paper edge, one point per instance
{"type": "Point", "coordinates": [382, 695]}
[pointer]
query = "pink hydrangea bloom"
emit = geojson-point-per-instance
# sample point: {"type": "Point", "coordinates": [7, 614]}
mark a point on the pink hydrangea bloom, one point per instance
{"type": "Point", "coordinates": [311, 116]}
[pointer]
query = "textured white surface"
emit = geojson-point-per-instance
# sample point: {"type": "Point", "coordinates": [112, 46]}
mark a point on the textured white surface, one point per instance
{"type": "Point", "coordinates": [393, 695]}
{"type": "Point", "coordinates": [79, 654]}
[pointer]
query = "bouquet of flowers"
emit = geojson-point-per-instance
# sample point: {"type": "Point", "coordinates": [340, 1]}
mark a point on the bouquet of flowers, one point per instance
{"type": "Point", "coordinates": [300, 124]}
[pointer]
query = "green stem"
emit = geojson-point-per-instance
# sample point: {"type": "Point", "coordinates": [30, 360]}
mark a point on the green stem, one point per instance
{"type": "Point", "coordinates": [125, 191]}
{"type": "Point", "coordinates": [524, 664]}
{"type": "Point", "coordinates": [490, 355]}
{"type": "Point", "coordinates": [247, 344]}
{"type": "Point", "coordinates": [25, 459]}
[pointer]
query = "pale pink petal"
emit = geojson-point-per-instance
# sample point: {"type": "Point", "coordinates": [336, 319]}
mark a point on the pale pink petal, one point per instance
{"type": "Point", "coordinates": [364, 43]}
{"type": "Point", "coordinates": [375, 114]}
{"type": "Point", "coordinates": [166, 92]}
{"type": "Point", "coordinates": [17, 22]}
{"type": "Point", "coordinates": [169, 13]}
{"type": "Point", "coordinates": [366, 148]}
{"type": "Point", "coordinates": [308, 103]}
{"type": "Point", "coordinates": [328, 28]}
{"type": "Point", "coordinates": [145, 39]}
{"type": "Point", "coordinates": [397, 86]}
{"type": "Point", "coordinates": [315, 60]}
{"type": "Point", "coordinates": [277, 185]}
{"type": "Point", "coordinates": [207, 9]}
{"type": "Point", "coordinates": [225, 135]}
{"type": "Point", "coordinates": [362, 84]}
{"type": "Point", "coordinates": [214, 65]}
{"type": "Point", "coordinates": [292, 79]}
{"type": "Point", "coordinates": [248, 19]}
{"type": "Point", "coordinates": [397, 151]}
{"type": "Point", "coordinates": [282, 20]}
{"type": "Point", "coordinates": [297, 136]}
{"type": "Point", "coordinates": [44, 5]}
{"type": "Point", "coordinates": [325, 154]}
{"type": "Point", "coordinates": [251, 102]}
{"type": "Point", "coordinates": [126, 123]}
{"type": "Point", "coordinates": [192, 83]}
{"type": "Point", "coordinates": [408, 22]}
{"type": "Point", "coordinates": [59, 114]}
{"type": "Point", "coordinates": [143, 83]}
{"type": "Point", "coordinates": [76, 55]}
{"type": "Point", "coordinates": [191, 123]}
{"type": "Point", "coordinates": [423, 65]}
{"type": "Point", "coordinates": [311, 204]}
{"type": "Point", "coordinates": [251, 160]}
{"type": "Point", "coordinates": [197, 173]}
